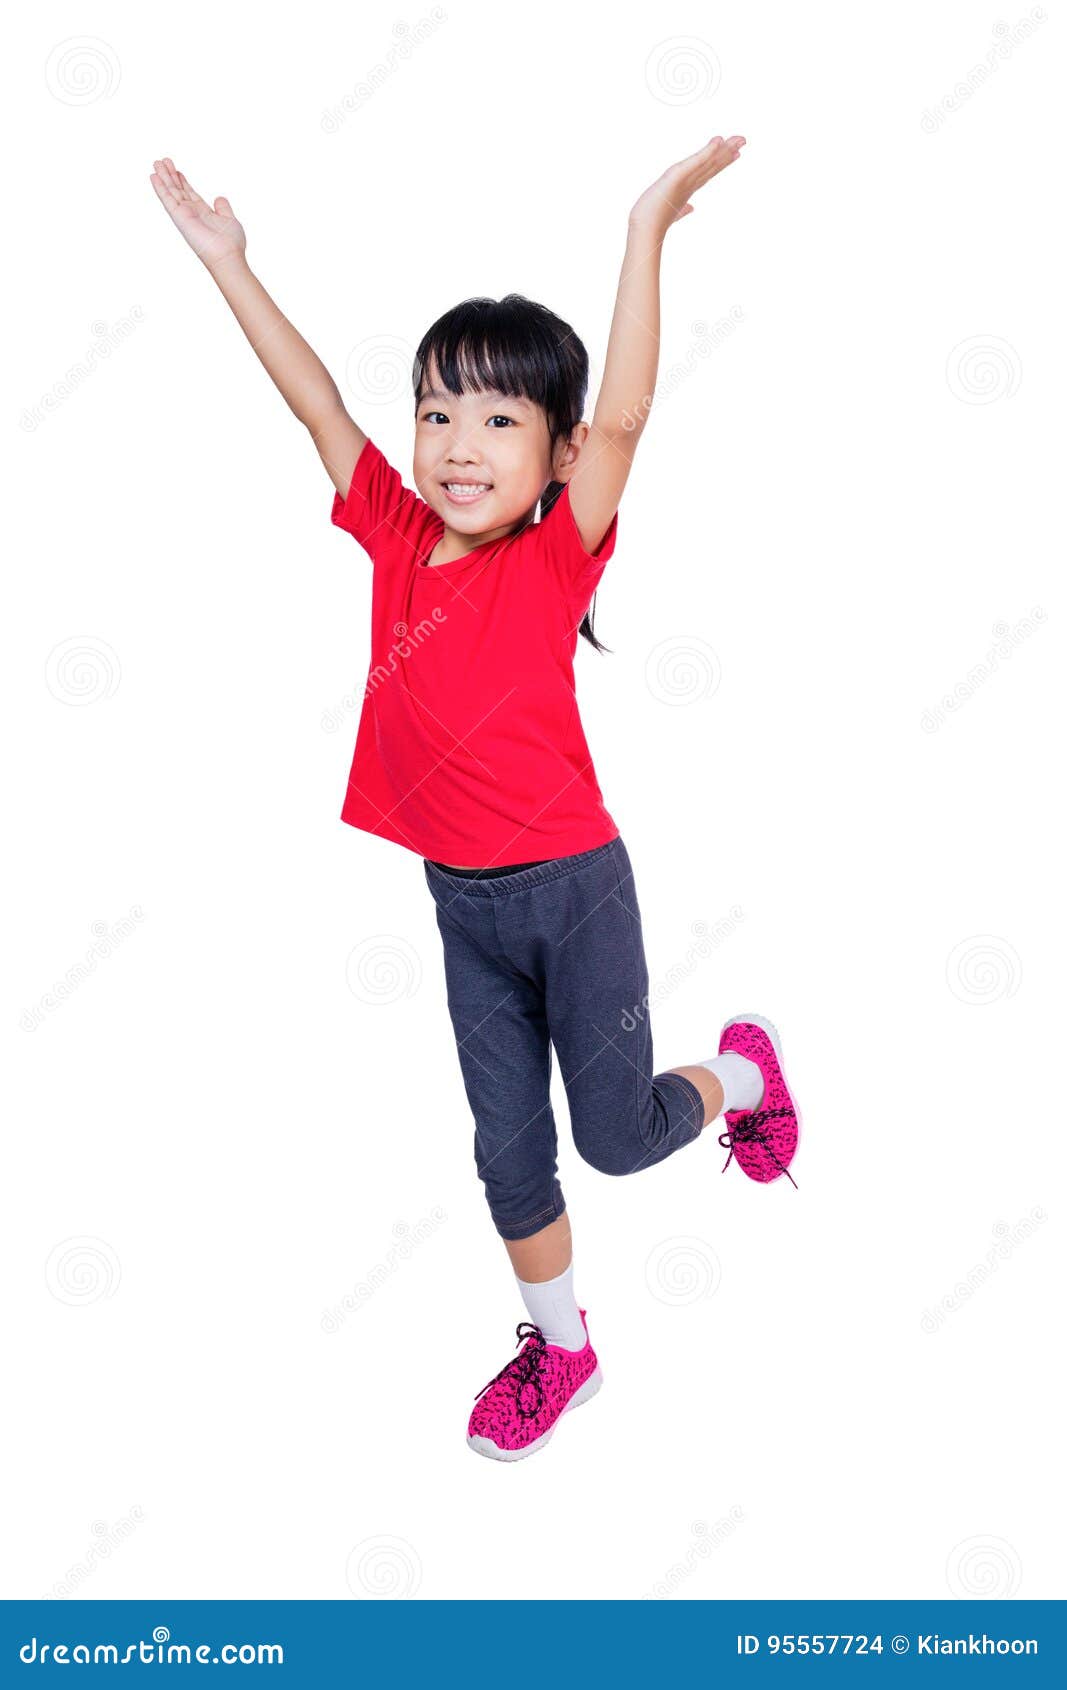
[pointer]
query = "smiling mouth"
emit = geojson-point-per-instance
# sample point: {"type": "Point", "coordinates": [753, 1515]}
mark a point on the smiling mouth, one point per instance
{"type": "Point", "coordinates": [466, 492]}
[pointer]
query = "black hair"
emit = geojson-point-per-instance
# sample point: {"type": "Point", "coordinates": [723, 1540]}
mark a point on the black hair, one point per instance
{"type": "Point", "coordinates": [519, 347]}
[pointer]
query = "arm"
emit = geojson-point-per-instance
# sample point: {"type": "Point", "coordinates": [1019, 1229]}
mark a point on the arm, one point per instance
{"type": "Point", "coordinates": [626, 391]}
{"type": "Point", "coordinates": [301, 378]}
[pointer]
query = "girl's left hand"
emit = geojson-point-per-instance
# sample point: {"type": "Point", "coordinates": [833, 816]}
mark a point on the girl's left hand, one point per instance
{"type": "Point", "coordinates": [667, 201]}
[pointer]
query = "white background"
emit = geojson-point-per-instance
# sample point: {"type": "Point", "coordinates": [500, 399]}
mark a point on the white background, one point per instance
{"type": "Point", "coordinates": [226, 1125]}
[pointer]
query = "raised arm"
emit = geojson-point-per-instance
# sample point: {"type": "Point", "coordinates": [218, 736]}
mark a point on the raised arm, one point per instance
{"type": "Point", "coordinates": [625, 398]}
{"type": "Point", "coordinates": [297, 372]}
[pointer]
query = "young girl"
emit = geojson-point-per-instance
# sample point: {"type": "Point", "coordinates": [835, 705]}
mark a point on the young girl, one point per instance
{"type": "Point", "coordinates": [470, 745]}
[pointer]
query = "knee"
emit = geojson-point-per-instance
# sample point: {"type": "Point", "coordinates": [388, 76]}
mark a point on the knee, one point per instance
{"type": "Point", "coordinates": [604, 1151]}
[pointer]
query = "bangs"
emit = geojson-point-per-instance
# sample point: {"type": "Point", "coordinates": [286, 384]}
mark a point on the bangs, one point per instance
{"type": "Point", "coordinates": [511, 346]}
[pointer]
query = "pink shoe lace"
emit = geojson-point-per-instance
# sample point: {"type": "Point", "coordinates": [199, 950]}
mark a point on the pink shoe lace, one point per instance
{"type": "Point", "coordinates": [748, 1130]}
{"type": "Point", "coordinates": [525, 1368]}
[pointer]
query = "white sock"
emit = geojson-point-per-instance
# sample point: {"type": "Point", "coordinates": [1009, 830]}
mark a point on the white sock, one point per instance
{"type": "Point", "coordinates": [741, 1080]}
{"type": "Point", "coordinates": [551, 1306]}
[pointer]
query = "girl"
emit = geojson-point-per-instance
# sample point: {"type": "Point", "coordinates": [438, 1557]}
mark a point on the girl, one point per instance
{"type": "Point", "coordinates": [470, 745]}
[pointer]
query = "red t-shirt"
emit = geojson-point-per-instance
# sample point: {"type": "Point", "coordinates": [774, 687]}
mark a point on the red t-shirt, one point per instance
{"type": "Point", "coordinates": [470, 748]}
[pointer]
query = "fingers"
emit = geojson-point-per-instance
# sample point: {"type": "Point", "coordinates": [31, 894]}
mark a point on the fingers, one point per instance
{"type": "Point", "coordinates": [704, 153]}
{"type": "Point", "coordinates": [696, 159]}
{"type": "Point", "coordinates": [700, 166]}
{"type": "Point", "coordinates": [164, 190]}
{"type": "Point", "coordinates": [709, 161]}
{"type": "Point", "coordinates": [166, 184]}
{"type": "Point", "coordinates": [190, 190]}
{"type": "Point", "coordinates": [719, 152]}
{"type": "Point", "coordinates": [165, 166]}
{"type": "Point", "coordinates": [161, 189]}
{"type": "Point", "coordinates": [177, 185]}
{"type": "Point", "coordinates": [181, 187]}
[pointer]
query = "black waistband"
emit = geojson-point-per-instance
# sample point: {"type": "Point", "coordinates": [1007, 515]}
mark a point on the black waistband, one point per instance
{"type": "Point", "coordinates": [488, 873]}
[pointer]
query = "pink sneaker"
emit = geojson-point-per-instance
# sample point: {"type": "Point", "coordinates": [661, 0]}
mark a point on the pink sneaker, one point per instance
{"type": "Point", "coordinates": [517, 1411]}
{"type": "Point", "coordinates": [763, 1140]}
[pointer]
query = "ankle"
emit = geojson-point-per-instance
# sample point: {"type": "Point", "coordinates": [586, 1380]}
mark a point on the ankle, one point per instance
{"type": "Point", "coordinates": [551, 1305]}
{"type": "Point", "coordinates": [740, 1079]}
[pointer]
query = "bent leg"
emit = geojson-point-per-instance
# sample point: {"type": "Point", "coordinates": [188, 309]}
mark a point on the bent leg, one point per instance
{"type": "Point", "coordinates": [624, 1115]}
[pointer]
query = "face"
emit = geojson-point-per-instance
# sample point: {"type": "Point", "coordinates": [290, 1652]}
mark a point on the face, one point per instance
{"type": "Point", "coordinates": [495, 445]}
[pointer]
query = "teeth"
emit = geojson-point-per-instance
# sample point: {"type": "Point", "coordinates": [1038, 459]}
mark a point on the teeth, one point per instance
{"type": "Point", "coordinates": [466, 489]}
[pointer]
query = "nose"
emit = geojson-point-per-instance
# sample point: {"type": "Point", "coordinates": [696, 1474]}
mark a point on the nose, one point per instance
{"type": "Point", "coordinates": [460, 453]}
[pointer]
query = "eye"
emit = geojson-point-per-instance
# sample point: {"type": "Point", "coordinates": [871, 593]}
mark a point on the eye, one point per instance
{"type": "Point", "coordinates": [428, 416]}
{"type": "Point", "coordinates": [498, 418]}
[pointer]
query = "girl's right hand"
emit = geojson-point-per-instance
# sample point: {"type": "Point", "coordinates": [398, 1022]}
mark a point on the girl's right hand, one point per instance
{"type": "Point", "coordinates": [214, 234]}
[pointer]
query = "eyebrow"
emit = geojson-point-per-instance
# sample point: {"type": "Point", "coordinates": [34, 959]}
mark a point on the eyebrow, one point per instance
{"type": "Point", "coordinates": [485, 393]}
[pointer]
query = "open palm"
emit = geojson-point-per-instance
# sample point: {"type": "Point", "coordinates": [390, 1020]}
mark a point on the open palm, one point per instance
{"type": "Point", "coordinates": [213, 232]}
{"type": "Point", "coordinates": [668, 198]}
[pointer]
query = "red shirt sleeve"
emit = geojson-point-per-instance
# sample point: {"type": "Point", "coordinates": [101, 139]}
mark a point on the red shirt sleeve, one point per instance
{"type": "Point", "coordinates": [574, 570]}
{"type": "Point", "coordinates": [379, 510]}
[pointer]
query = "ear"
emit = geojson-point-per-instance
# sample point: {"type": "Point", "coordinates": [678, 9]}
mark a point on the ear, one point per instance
{"type": "Point", "coordinates": [567, 455]}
